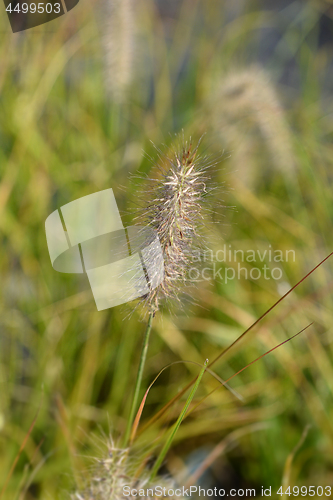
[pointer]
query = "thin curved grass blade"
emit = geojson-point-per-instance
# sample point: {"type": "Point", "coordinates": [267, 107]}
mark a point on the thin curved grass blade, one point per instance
{"type": "Point", "coordinates": [168, 443]}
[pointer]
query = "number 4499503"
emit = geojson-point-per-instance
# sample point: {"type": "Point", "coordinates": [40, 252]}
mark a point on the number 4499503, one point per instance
{"type": "Point", "coordinates": [33, 7]}
{"type": "Point", "coordinates": [303, 491]}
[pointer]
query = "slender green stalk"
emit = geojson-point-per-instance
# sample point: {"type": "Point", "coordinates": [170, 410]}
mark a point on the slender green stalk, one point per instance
{"type": "Point", "coordinates": [168, 442]}
{"type": "Point", "coordinates": [139, 378]}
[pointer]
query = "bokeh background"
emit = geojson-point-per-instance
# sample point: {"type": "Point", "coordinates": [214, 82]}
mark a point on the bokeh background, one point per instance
{"type": "Point", "coordinates": [82, 100]}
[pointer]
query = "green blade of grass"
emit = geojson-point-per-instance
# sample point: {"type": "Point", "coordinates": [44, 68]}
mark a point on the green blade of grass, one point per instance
{"type": "Point", "coordinates": [168, 442]}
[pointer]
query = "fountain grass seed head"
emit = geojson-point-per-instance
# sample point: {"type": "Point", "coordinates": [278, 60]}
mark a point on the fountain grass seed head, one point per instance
{"type": "Point", "coordinates": [118, 42]}
{"type": "Point", "coordinates": [115, 475]}
{"type": "Point", "coordinates": [247, 113]}
{"type": "Point", "coordinates": [176, 210]}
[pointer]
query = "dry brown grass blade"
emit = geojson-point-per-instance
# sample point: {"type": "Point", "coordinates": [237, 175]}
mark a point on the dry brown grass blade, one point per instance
{"type": "Point", "coordinates": [251, 363]}
{"type": "Point", "coordinates": [138, 416]}
{"type": "Point", "coordinates": [24, 442]}
{"type": "Point", "coordinates": [268, 311]}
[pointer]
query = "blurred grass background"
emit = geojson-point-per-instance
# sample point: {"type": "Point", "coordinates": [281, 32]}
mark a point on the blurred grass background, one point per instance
{"type": "Point", "coordinates": [78, 108]}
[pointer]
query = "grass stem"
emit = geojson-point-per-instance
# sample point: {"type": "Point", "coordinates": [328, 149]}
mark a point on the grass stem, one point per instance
{"type": "Point", "coordinates": [139, 378]}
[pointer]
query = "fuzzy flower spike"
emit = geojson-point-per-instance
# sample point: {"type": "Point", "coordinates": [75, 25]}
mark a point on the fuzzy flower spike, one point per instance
{"type": "Point", "coordinates": [176, 213]}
